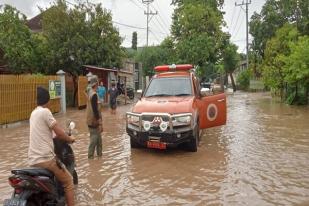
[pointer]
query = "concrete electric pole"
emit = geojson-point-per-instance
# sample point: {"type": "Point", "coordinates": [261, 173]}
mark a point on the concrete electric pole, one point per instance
{"type": "Point", "coordinates": [247, 28]}
{"type": "Point", "coordinates": [149, 13]}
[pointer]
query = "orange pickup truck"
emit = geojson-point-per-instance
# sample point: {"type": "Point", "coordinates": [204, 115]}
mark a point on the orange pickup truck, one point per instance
{"type": "Point", "coordinates": [173, 110]}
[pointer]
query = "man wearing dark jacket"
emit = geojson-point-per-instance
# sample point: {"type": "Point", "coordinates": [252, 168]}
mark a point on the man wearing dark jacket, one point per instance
{"type": "Point", "coordinates": [94, 120]}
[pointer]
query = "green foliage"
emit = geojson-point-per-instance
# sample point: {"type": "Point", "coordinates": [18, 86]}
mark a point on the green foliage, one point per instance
{"type": "Point", "coordinates": [277, 50]}
{"type": "Point", "coordinates": [197, 35]}
{"type": "Point", "coordinates": [213, 3]}
{"type": "Point", "coordinates": [274, 14]}
{"type": "Point", "coordinates": [230, 58]}
{"type": "Point", "coordinates": [134, 40]}
{"type": "Point", "coordinates": [243, 79]}
{"type": "Point", "coordinates": [151, 57]}
{"type": "Point", "coordinates": [296, 65]}
{"type": "Point", "coordinates": [16, 41]}
{"type": "Point", "coordinates": [230, 61]}
{"type": "Point", "coordinates": [78, 36]}
{"type": "Point", "coordinates": [71, 37]}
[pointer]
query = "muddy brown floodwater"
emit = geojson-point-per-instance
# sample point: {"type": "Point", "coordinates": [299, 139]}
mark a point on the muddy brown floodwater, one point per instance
{"type": "Point", "coordinates": [261, 157]}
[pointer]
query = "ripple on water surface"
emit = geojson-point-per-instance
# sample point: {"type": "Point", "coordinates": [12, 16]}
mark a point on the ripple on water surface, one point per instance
{"type": "Point", "coordinates": [259, 158]}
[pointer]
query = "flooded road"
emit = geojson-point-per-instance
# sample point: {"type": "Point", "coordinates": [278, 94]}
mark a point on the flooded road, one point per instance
{"type": "Point", "coordinates": [261, 157]}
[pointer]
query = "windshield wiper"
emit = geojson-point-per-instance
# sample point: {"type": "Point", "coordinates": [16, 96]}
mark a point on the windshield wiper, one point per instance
{"type": "Point", "coordinates": [159, 95]}
{"type": "Point", "coordinates": [182, 95]}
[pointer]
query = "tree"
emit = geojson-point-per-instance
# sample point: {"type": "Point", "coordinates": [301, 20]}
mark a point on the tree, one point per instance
{"type": "Point", "coordinates": [134, 40]}
{"type": "Point", "coordinates": [151, 57]}
{"type": "Point", "coordinates": [196, 31]}
{"type": "Point", "coordinates": [78, 36]}
{"type": "Point", "coordinates": [230, 61]}
{"type": "Point", "coordinates": [276, 50]}
{"type": "Point", "coordinates": [296, 67]}
{"type": "Point", "coordinates": [274, 14]}
{"type": "Point", "coordinates": [16, 41]}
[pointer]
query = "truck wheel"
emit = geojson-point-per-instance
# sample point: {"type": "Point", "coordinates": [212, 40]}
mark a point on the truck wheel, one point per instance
{"type": "Point", "coordinates": [133, 143]}
{"type": "Point", "coordinates": [193, 144]}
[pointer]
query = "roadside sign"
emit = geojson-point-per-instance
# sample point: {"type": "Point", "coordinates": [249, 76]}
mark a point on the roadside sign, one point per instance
{"type": "Point", "coordinates": [54, 89]}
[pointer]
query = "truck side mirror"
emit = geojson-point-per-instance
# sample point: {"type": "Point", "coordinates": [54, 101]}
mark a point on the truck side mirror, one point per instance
{"type": "Point", "coordinates": [140, 93]}
{"type": "Point", "coordinates": [206, 92]}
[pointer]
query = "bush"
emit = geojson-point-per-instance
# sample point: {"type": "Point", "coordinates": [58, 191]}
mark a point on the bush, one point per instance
{"type": "Point", "coordinates": [243, 79]}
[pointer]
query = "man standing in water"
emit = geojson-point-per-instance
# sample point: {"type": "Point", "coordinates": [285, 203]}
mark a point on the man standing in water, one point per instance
{"type": "Point", "coordinates": [113, 93]}
{"type": "Point", "coordinates": [94, 120]}
{"type": "Point", "coordinates": [41, 146]}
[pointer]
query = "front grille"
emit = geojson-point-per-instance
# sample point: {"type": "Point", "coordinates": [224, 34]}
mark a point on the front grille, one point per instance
{"type": "Point", "coordinates": [150, 118]}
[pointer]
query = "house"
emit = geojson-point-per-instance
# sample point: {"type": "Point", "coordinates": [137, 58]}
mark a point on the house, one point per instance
{"type": "Point", "coordinates": [35, 24]}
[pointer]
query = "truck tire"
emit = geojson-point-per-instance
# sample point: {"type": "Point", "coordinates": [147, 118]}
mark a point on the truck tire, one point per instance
{"type": "Point", "coordinates": [133, 143]}
{"type": "Point", "coordinates": [193, 144]}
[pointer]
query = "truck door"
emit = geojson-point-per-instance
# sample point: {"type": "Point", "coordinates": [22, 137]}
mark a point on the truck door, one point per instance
{"type": "Point", "coordinates": [212, 111]}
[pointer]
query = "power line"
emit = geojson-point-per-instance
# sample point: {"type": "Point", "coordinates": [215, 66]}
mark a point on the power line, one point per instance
{"type": "Point", "coordinates": [130, 26]}
{"type": "Point", "coordinates": [232, 19]}
{"type": "Point", "coordinates": [163, 29]}
{"type": "Point", "coordinates": [136, 4]}
{"type": "Point", "coordinates": [149, 14]}
{"type": "Point", "coordinates": [236, 23]}
{"type": "Point", "coordinates": [156, 22]}
{"type": "Point", "coordinates": [155, 37]}
{"type": "Point", "coordinates": [237, 31]}
{"type": "Point", "coordinates": [247, 30]}
{"type": "Point", "coordinates": [160, 16]}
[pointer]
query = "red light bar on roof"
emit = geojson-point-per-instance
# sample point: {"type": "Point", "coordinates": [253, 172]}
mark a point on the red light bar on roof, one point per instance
{"type": "Point", "coordinates": [173, 67]}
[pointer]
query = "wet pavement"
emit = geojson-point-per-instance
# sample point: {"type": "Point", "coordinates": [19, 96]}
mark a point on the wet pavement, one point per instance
{"type": "Point", "coordinates": [261, 157]}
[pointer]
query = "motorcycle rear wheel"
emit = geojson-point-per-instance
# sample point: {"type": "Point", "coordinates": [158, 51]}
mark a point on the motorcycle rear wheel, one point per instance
{"type": "Point", "coordinates": [75, 177]}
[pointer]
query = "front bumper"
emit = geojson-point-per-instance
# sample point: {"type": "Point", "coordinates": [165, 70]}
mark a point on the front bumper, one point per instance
{"type": "Point", "coordinates": [171, 139]}
{"type": "Point", "coordinates": [172, 136]}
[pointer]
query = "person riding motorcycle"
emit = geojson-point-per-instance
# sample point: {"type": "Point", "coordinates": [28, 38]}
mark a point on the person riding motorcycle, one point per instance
{"type": "Point", "coordinates": [41, 147]}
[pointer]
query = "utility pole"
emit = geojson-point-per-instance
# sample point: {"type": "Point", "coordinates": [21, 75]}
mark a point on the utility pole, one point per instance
{"type": "Point", "coordinates": [247, 28]}
{"type": "Point", "coordinates": [149, 13]}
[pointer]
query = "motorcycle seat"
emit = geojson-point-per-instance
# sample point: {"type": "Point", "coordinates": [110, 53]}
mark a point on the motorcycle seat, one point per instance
{"type": "Point", "coordinates": [34, 171]}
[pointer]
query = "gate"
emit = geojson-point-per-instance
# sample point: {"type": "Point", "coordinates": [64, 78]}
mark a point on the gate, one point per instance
{"type": "Point", "coordinates": [81, 97]}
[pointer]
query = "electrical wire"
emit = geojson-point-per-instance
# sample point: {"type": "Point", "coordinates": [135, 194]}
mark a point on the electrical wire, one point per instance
{"type": "Point", "coordinates": [236, 22]}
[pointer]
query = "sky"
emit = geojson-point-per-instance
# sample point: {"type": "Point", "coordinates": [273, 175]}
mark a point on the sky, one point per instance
{"type": "Point", "coordinates": [128, 16]}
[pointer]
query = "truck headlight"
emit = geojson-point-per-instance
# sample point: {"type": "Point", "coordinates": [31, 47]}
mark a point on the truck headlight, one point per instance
{"type": "Point", "coordinates": [182, 120]}
{"type": "Point", "coordinates": [146, 126]}
{"type": "Point", "coordinates": [163, 126]}
{"type": "Point", "coordinates": [132, 119]}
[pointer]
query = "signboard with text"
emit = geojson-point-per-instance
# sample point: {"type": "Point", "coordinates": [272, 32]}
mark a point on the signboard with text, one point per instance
{"type": "Point", "coordinates": [54, 89]}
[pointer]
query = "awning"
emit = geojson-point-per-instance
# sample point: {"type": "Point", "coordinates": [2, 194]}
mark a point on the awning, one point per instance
{"type": "Point", "coordinates": [120, 72]}
{"type": "Point", "coordinates": [100, 68]}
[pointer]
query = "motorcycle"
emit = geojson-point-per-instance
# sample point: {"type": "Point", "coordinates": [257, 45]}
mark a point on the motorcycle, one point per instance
{"type": "Point", "coordinates": [38, 186]}
{"type": "Point", "coordinates": [121, 90]}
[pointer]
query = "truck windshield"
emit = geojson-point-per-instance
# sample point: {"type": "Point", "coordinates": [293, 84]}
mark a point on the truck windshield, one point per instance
{"type": "Point", "coordinates": [180, 86]}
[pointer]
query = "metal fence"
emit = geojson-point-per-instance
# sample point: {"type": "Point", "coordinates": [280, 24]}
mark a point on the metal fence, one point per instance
{"type": "Point", "coordinates": [18, 96]}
